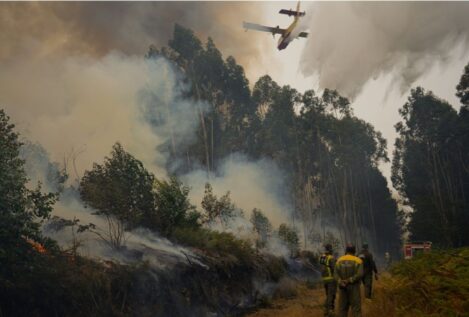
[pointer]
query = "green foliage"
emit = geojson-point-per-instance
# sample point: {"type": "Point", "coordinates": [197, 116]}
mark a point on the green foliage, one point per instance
{"type": "Point", "coordinates": [217, 209]}
{"type": "Point", "coordinates": [121, 190]}
{"type": "Point", "coordinates": [185, 43]}
{"type": "Point", "coordinates": [173, 209]}
{"type": "Point", "coordinates": [21, 209]}
{"type": "Point", "coordinates": [335, 103]}
{"type": "Point", "coordinates": [221, 84]}
{"type": "Point", "coordinates": [120, 187]}
{"type": "Point", "coordinates": [261, 226]}
{"type": "Point", "coordinates": [290, 237]}
{"type": "Point", "coordinates": [214, 242]}
{"type": "Point", "coordinates": [431, 284]}
{"type": "Point", "coordinates": [128, 195]}
{"type": "Point", "coordinates": [462, 89]}
{"type": "Point", "coordinates": [430, 168]}
{"type": "Point", "coordinates": [330, 156]}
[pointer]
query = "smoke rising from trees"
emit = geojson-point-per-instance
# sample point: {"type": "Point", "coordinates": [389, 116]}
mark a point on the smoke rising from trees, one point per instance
{"type": "Point", "coordinates": [87, 105]}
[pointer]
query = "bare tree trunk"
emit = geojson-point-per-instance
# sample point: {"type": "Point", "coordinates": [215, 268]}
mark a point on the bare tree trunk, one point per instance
{"type": "Point", "coordinates": [204, 131]}
{"type": "Point", "coordinates": [370, 205]}
{"type": "Point", "coordinates": [212, 143]}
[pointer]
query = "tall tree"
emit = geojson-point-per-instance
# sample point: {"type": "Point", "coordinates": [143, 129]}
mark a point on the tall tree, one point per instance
{"type": "Point", "coordinates": [462, 89]}
{"type": "Point", "coordinates": [330, 156]}
{"type": "Point", "coordinates": [428, 171]}
{"type": "Point", "coordinates": [21, 209]}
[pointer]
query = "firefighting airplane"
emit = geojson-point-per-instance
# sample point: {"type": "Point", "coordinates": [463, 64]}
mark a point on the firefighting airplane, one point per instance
{"type": "Point", "coordinates": [287, 35]}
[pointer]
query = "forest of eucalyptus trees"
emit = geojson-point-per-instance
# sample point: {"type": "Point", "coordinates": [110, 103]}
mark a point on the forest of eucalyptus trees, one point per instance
{"type": "Point", "coordinates": [431, 165]}
{"type": "Point", "coordinates": [330, 156]}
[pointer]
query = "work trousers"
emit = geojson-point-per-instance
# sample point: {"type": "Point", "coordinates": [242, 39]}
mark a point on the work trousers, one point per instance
{"type": "Point", "coordinates": [368, 283]}
{"type": "Point", "coordinates": [331, 289]}
{"type": "Point", "coordinates": [350, 298]}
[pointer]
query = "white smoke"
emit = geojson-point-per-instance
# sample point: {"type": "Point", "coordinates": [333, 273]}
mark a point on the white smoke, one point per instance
{"type": "Point", "coordinates": [350, 43]}
{"type": "Point", "coordinates": [86, 104]}
{"type": "Point", "coordinates": [140, 245]}
{"type": "Point", "coordinates": [79, 103]}
{"type": "Point", "coordinates": [252, 184]}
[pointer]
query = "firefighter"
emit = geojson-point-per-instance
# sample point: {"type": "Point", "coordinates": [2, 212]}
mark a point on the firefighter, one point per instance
{"type": "Point", "coordinates": [387, 260]}
{"type": "Point", "coordinates": [369, 267]}
{"type": "Point", "coordinates": [348, 273]}
{"type": "Point", "coordinates": [327, 261]}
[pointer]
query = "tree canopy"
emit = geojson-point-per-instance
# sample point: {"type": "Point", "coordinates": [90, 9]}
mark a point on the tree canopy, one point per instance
{"type": "Point", "coordinates": [430, 168]}
{"type": "Point", "coordinates": [330, 156]}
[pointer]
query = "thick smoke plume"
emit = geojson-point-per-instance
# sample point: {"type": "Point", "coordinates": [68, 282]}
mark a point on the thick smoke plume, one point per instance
{"type": "Point", "coordinates": [352, 42]}
{"type": "Point", "coordinates": [83, 106]}
{"type": "Point", "coordinates": [38, 29]}
{"type": "Point", "coordinates": [252, 184]}
{"type": "Point", "coordinates": [141, 244]}
{"type": "Point", "coordinates": [76, 108]}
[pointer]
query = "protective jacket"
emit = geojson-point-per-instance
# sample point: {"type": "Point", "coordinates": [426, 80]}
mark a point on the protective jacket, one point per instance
{"type": "Point", "coordinates": [348, 269]}
{"type": "Point", "coordinates": [327, 262]}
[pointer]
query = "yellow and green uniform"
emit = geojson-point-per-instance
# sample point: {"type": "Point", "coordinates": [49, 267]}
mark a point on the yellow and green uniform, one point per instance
{"type": "Point", "coordinates": [348, 273]}
{"type": "Point", "coordinates": [327, 262]}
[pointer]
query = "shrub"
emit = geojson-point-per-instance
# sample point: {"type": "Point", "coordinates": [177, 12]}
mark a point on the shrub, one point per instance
{"type": "Point", "coordinates": [432, 284]}
{"type": "Point", "coordinates": [215, 242]}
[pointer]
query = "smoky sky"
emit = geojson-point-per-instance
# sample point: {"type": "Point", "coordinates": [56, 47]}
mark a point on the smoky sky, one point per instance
{"type": "Point", "coordinates": [351, 42]}
{"type": "Point", "coordinates": [97, 28]}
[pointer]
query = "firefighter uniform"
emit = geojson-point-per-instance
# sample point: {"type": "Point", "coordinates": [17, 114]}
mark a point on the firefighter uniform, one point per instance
{"type": "Point", "coordinates": [369, 267]}
{"type": "Point", "coordinates": [348, 274]}
{"type": "Point", "coordinates": [327, 262]}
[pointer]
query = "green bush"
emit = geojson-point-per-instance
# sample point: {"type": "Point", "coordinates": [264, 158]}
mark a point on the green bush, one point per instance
{"type": "Point", "coordinates": [210, 241]}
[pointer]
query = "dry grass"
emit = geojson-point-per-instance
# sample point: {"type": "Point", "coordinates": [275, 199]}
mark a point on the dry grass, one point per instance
{"type": "Point", "coordinates": [435, 284]}
{"type": "Point", "coordinates": [307, 303]}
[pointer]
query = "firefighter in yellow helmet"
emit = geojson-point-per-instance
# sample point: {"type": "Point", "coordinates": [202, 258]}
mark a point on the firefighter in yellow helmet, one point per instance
{"type": "Point", "coordinates": [348, 274]}
{"type": "Point", "coordinates": [327, 261]}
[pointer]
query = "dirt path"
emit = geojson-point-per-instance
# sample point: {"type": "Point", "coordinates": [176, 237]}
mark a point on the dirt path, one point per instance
{"type": "Point", "coordinates": [308, 303]}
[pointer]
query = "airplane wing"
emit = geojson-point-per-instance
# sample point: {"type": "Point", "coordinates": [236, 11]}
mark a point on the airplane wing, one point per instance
{"type": "Point", "coordinates": [303, 34]}
{"type": "Point", "coordinates": [291, 12]}
{"type": "Point", "coordinates": [258, 27]}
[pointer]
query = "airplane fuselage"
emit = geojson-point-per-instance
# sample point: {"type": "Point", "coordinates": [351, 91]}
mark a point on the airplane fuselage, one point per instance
{"type": "Point", "coordinates": [286, 35]}
{"type": "Point", "coordinates": [286, 38]}
{"type": "Point", "coordinates": [284, 41]}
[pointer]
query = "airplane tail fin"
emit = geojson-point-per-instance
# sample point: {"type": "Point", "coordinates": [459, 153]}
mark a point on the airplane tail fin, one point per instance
{"type": "Point", "coordinates": [296, 13]}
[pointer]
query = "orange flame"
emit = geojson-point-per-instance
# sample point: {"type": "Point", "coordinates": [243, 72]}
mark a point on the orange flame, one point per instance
{"type": "Point", "coordinates": [37, 246]}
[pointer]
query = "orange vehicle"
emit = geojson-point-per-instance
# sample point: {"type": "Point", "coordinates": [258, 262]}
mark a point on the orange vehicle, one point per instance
{"type": "Point", "coordinates": [413, 248]}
